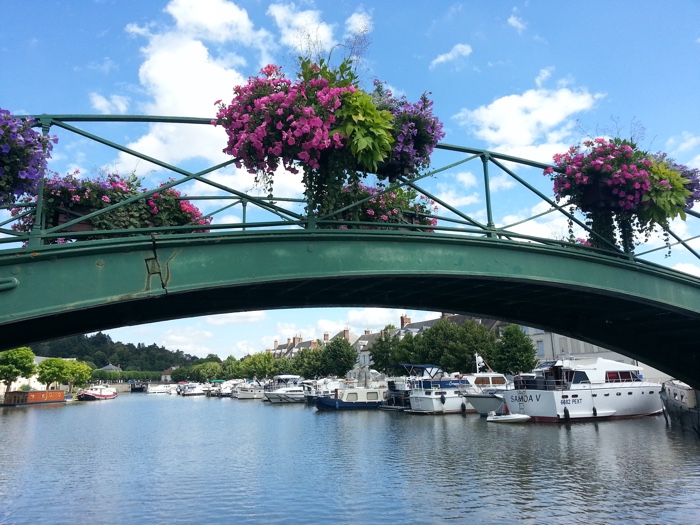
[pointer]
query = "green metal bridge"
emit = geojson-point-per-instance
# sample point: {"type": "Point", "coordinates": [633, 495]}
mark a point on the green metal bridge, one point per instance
{"type": "Point", "coordinates": [276, 257]}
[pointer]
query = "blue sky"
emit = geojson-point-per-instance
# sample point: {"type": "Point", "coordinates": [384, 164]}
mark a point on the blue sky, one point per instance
{"type": "Point", "coordinates": [523, 78]}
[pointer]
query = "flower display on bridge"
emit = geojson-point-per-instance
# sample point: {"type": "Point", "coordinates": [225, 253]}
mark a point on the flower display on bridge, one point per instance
{"type": "Point", "coordinates": [66, 198]}
{"type": "Point", "coordinates": [23, 156]}
{"type": "Point", "coordinates": [623, 191]}
{"type": "Point", "coordinates": [389, 208]}
{"type": "Point", "coordinates": [323, 124]}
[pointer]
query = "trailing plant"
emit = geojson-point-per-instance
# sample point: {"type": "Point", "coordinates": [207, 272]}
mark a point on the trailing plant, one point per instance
{"type": "Point", "coordinates": [624, 192]}
{"type": "Point", "coordinates": [325, 125]}
{"type": "Point", "coordinates": [66, 198]}
{"type": "Point", "coordinates": [387, 207]}
{"type": "Point", "coordinates": [23, 155]}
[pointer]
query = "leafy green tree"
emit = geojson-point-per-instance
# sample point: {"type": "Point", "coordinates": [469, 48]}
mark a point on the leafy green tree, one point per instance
{"type": "Point", "coordinates": [181, 374]}
{"type": "Point", "coordinates": [78, 373]}
{"type": "Point", "coordinates": [260, 365]}
{"type": "Point", "coordinates": [205, 372]}
{"type": "Point", "coordinates": [307, 362]}
{"type": "Point", "coordinates": [52, 370]}
{"type": "Point", "coordinates": [16, 363]}
{"type": "Point", "coordinates": [384, 352]}
{"type": "Point", "coordinates": [514, 352]}
{"type": "Point", "coordinates": [338, 357]}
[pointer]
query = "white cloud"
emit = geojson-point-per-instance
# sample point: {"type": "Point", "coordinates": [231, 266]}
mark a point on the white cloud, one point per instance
{"type": "Point", "coordinates": [515, 21]}
{"type": "Point", "coordinates": [543, 75]}
{"type": "Point", "coordinates": [188, 339]}
{"type": "Point", "coordinates": [303, 31]}
{"type": "Point", "coordinates": [359, 22]}
{"type": "Point", "coordinates": [237, 318]}
{"type": "Point", "coordinates": [108, 106]}
{"type": "Point", "coordinates": [457, 52]}
{"type": "Point", "coordinates": [501, 182]}
{"type": "Point", "coordinates": [539, 117]}
{"type": "Point", "coordinates": [692, 269]}
{"type": "Point", "coordinates": [453, 189]}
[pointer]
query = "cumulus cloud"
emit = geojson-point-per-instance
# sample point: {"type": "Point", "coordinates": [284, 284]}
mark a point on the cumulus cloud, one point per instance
{"type": "Point", "coordinates": [454, 189]}
{"type": "Point", "coordinates": [359, 22]}
{"type": "Point", "coordinates": [114, 104]}
{"type": "Point", "coordinates": [188, 339]}
{"type": "Point", "coordinates": [691, 269]}
{"type": "Point", "coordinates": [454, 54]}
{"type": "Point", "coordinates": [515, 21]}
{"type": "Point", "coordinates": [303, 31]}
{"type": "Point", "coordinates": [533, 124]}
{"type": "Point", "coordinates": [543, 75]}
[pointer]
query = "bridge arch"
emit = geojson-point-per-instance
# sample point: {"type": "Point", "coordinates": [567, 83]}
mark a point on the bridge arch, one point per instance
{"type": "Point", "coordinates": [646, 312]}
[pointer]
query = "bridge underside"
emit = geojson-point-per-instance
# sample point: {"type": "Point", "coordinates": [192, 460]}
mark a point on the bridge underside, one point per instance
{"type": "Point", "coordinates": [650, 314]}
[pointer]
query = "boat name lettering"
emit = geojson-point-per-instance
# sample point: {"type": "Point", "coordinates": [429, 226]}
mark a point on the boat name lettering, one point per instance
{"type": "Point", "coordinates": [525, 398]}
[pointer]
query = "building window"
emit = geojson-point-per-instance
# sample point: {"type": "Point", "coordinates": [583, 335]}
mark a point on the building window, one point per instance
{"type": "Point", "coordinates": [540, 348]}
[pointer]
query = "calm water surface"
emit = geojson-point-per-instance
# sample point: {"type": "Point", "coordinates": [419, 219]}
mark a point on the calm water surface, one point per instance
{"type": "Point", "coordinates": [162, 459]}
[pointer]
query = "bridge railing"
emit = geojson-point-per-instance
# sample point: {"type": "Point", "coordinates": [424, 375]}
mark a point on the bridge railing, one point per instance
{"type": "Point", "coordinates": [525, 212]}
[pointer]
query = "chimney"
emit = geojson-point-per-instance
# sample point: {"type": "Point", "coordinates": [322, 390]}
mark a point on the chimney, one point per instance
{"type": "Point", "coordinates": [444, 315]}
{"type": "Point", "coordinates": [405, 320]}
{"type": "Point", "coordinates": [275, 345]}
{"type": "Point", "coordinates": [325, 337]}
{"type": "Point", "coordinates": [289, 341]}
{"type": "Point", "coordinates": [313, 345]}
{"type": "Point", "coordinates": [367, 332]}
{"type": "Point", "coordinates": [346, 334]}
{"type": "Point", "coordinates": [297, 340]}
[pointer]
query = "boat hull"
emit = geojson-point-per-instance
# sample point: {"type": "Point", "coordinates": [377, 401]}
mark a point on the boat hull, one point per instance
{"type": "Point", "coordinates": [485, 403]}
{"type": "Point", "coordinates": [508, 418]}
{"type": "Point", "coordinates": [332, 404]}
{"type": "Point", "coordinates": [680, 406]}
{"type": "Point", "coordinates": [92, 396]}
{"type": "Point", "coordinates": [588, 403]}
{"type": "Point", "coordinates": [285, 397]}
{"type": "Point", "coordinates": [438, 402]}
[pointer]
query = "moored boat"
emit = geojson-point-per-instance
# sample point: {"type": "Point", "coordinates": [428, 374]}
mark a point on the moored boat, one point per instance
{"type": "Point", "coordinates": [286, 388]}
{"type": "Point", "coordinates": [437, 392]}
{"type": "Point", "coordinates": [96, 393]}
{"type": "Point", "coordinates": [353, 399]}
{"type": "Point", "coordinates": [492, 417]}
{"type": "Point", "coordinates": [161, 389]}
{"type": "Point", "coordinates": [33, 397]}
{"type": "Point", "coordinates": [680, 402]}
{"type": "Point", "coordinates": [586, 390]}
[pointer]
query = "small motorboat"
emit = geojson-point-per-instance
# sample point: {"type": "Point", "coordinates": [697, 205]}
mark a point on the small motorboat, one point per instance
{"type": "Point", "coordinates": [492, 417]}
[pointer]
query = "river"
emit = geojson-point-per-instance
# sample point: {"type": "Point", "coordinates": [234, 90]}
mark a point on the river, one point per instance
{"type": "Point", "coordinates": [162, 459]}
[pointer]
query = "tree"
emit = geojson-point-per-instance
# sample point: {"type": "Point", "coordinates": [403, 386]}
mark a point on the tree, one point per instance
{"type": "Point", "coordinates": [78, 373]}
{"type": "Point", "coordinates": [384, 352]}
{"type": "Point", "coordinates": [307, 362]}
{"type": "Point", "coordinates": [52, 370]}
{"type": "Point", "coordinates": [259, 365]}
{"type": "Point", "coordinates": [338, 357]}
{"type": "Point", "coordinates": [16, 363]}
{"type": "Point", "coordinates": [515, 352]}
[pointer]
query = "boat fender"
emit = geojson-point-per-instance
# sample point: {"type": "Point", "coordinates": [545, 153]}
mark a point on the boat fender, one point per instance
{"type": "Point", "coordinates": [595, 412]}
{"type": "Point", "coordinates": [464, 407]}
{"type": "Point", "coordinates": [566, 414]}
{"type": "Point", "coordinates": [442, 398]}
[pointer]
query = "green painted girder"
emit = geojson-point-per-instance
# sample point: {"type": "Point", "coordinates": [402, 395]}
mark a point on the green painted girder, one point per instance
{"type": "Point", "coordinates": [644, 311]}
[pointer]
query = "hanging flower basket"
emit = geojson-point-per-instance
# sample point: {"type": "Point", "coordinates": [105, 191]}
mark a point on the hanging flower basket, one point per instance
{"type": "Point", "coordinates": [326, 126]}
{"type": "Point", "coordinates": [624, 192]}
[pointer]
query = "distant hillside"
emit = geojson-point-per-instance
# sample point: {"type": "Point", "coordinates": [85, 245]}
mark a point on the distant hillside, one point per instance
{"type": "Point", "coordinates": [99, 350]}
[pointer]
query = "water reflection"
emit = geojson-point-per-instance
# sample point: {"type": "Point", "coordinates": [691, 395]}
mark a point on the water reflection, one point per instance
{"type": "Point", "coordinates": [166, 459]}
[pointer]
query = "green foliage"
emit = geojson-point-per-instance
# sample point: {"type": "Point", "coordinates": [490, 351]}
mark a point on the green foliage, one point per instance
{"type": "Point", "coordinates": [16, 363]}
{"type": "Point", "coordinates": [667, 197]}
{"type": "Point", "coordinates": [308, 363]}
{"type": "Point", "coordinates": [338, 357]}
{"type": "Point", "coordinates": [101, 350]}
{"type": "Point", "coordinates": [514, 352]}
{"type": "Point", "coordinates": [452, 347]}
{"type": "Point", "coordinates": [205, 372]}
{"type": "Point", "coordinates": [77, 374]}
{"type": "Point", "coordinates": [52, 370]}
{"type": "Point", "coordinates": [368, 129]}
{"type": "Point", "coordinates": [383, 352]}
